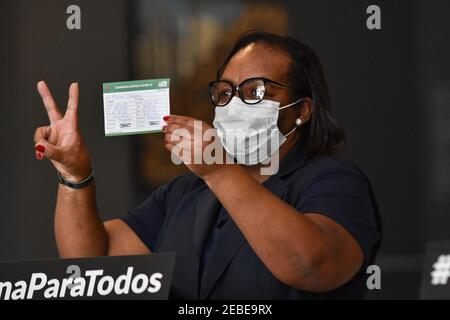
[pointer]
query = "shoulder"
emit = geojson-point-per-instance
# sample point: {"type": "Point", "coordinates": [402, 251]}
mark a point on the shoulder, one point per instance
{"type": "Point", "coordinates": [322, 167]}
{"type": "Point", "coordinates": [326, 163]}
{"type": "Point", "coordinates": [336, 185]}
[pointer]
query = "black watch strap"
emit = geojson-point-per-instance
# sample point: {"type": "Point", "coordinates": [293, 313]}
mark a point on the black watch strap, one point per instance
{"type": "Point", "coordinates": [74, 185]}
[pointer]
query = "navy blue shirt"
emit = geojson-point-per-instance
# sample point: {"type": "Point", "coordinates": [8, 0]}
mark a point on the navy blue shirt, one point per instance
{"type": "Point", "coordinates": [219, 223]}
{"type": "Point", "coordinates": [338, 190]}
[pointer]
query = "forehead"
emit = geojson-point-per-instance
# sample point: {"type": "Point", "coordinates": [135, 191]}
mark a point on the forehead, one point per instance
{"type": "Point", "coordinates": [257, 60]}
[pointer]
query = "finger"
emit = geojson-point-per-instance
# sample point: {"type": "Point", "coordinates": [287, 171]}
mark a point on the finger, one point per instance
{"type": "Point", "coordinates": [183, 142]}
{"type": "Point", "coordinates": [180, 150]}
{"type": "Point", "coordinates": [49, 150]}
{"type": "Point", "coordinates": [176, 149]}
{"type": "Point", "coordinates": [175, 139]}
{"type": "Point", "coordinates": [181, 120]}
{"type": "Point", "coordinates": [169, 146]}
{"type": "Point", "coordinates": [182, 132]}
{"type": "Point", "coordinates": [174, 127]}
{"type": "Point", "coordinates": [72, 103]}
{"type": "Point", "coordinates": [52, 109]}
{"type": "Point", "coordinates": [39, 156]}
{"type": "Point", "coordinates": [42, 133]}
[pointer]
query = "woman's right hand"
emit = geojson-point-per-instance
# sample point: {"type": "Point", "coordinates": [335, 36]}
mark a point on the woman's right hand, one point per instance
{"type": "Point", "coordinates": [61, 141]}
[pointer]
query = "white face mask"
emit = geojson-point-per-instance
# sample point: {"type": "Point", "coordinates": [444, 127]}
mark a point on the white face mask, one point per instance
{"type": "Point", "coordinates": [249, 133]}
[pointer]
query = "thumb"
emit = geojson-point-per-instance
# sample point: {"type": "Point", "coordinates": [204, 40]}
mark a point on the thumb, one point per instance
{"type": "Point", "coordinates": [48, 150]}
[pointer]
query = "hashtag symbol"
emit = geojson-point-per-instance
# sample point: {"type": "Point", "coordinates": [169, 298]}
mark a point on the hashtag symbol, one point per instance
{"type": "Point", "coordinates": [441, 270]}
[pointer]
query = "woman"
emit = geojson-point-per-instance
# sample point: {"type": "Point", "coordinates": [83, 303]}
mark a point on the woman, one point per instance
{"type": "Point", "coordinates": [308, 231]}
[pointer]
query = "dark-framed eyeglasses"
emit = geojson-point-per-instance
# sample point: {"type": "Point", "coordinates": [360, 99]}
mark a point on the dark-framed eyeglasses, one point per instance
{"type": "Point", "coordinates": [251, 91]}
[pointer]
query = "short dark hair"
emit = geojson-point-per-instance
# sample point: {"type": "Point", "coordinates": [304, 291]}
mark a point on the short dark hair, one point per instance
{"type": "Point", "coordinates": [322, 134]}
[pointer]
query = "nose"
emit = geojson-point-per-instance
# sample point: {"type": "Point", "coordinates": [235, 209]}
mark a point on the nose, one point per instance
{"type": "Point", "coordinates": [236, 91]}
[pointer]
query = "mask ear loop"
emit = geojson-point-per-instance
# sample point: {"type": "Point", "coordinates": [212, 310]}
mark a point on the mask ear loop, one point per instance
{"type": "Point", "coordinates": [298, 121]}
{"type": "Point", "coordinates": [291, 104]}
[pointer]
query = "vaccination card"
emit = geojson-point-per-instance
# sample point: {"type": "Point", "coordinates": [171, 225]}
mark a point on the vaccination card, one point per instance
{"type": "Point", "coordinates": [135, 107]}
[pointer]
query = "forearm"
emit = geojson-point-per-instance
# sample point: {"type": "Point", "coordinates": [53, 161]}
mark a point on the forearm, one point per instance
{"type": "Point", "coordinates": [286, 241]}
{"type": "Point", "coordinates": [78, 229]}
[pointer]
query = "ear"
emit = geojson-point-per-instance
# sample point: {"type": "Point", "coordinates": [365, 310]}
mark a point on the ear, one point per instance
{"type": "Point", "coordinates": [306, 109]}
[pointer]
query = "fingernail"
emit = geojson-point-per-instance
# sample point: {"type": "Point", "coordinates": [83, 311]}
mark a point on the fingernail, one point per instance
{"type": "Point", "coordinates": [39, 156]}
{"type": "Point", "coordinates": [40, 148]}
{"type": "Point", "coordinates": [166, 118]}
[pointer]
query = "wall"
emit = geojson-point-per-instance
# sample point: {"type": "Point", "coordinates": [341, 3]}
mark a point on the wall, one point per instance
{"type": "Point", "coordinates": [36, 45]}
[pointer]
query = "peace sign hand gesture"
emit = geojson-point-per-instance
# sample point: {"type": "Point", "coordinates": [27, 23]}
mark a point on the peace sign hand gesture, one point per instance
{"type": "Point", "coordinates": [61, 141]}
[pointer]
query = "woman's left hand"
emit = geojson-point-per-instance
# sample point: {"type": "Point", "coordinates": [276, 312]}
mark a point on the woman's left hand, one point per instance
{"type": "Point", "coordinates": [193, 141]}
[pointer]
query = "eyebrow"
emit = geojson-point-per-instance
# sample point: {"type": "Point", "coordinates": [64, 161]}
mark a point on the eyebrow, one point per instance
{"type": "Point", "coordinates": [234, 84]}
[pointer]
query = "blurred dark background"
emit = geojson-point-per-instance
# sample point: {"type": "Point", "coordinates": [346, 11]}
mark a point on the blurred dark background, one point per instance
{"type": "Point", "coordinates": [390, 90]}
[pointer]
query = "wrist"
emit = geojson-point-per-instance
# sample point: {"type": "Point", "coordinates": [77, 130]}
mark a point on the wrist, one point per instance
{"type": "Point", "coordinates": [222, 172]}
{"type": "Point", "coordinates": [76, 182]}
{"type": "Point", "coordinates": [76, 178]}
{"type": "Point", "coordinates": [78, 173]}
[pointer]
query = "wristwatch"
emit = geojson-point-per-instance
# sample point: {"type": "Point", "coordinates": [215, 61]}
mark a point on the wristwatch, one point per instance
{"type": "Point", "coordinates": [74, 185]}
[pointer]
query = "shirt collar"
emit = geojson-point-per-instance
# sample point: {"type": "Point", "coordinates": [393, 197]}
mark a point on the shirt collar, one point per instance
{"type": "Point", "coordinates": [294, 159]}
